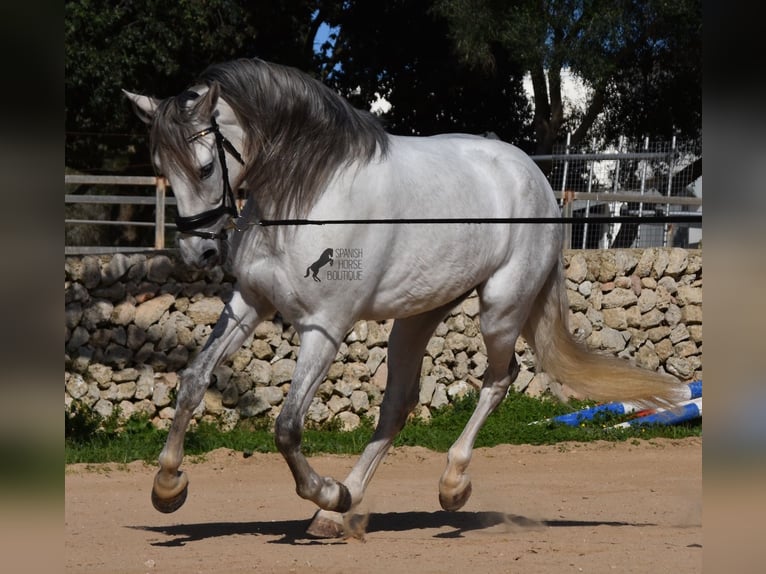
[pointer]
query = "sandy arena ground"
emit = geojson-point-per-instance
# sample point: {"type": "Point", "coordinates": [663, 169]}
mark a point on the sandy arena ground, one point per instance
{"type": "Point", "coordinates": [596, 507]}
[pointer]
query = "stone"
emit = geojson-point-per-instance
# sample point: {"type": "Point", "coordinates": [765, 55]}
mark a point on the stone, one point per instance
{"type": "Point", "coordinates": [585, 288]}
{"type": "Point", "coordinates": [252, 405]}
{"type": "Point", "coordinates": [615, 318]}
{"type": "Point", "coordinates": [456, 341]}
{"type": "Point", "coordinates": [577, 301]}
{"type": "Point", "coordinates": [680, 367]}
{"type": "Point", "coordinates": [619, 297]}
{"type": "Point", "coordinates": [90, 275]}
{"type": "Point", "coordinates": [522, 380]}
{"type": "Point", "coordinates": [345, 387]}
{"type": "Point", "coordinates": [435, 347]}
{"type": "Point", "coordinates": [459, 389]}
{"type": "Point", "coordinates": [685, 349]}
{"type": "Point", "coordinates": [261, 349]}
{"type": "Point", "coordinates": [96, 314]}
{"type": "Point", "coordinates": [439, 398]}
{"type": "Point", "coordinates": [677, 262]}
{"type": "Point", "coordinates": [427, 388]}
{"type": "Point", "coordinates": [691, 314]}
{"type": "Point", "coordinates": [358, 333]}
{"type": "Point", "coordinates": [360, 402]}
{"type": "Point", "coordinates": [357, 351]}
{"type": "Point", "coordinates": [213, 401]}
{"type": "Point", "coordinates": [376, 356]}
{"type": "Point", "coordinates": [647, 358]}
{"type": "Point", "coordinates": [272, 395]}
{"type": "Point", "coordinates": [76, 387]}
{"type": "Point", "coordinates": [377, 335]}
{"type": "Point", "coordinates": [126, 391]}
{"type": "Point", "coordinates": [101, 374]}
{"type": "Point", "coordinates": [159, 269]}
{"type": "Point", "coordinates": [539, 384]}
{"type": "Point", "coordinates": [205, 311]}
{"type": "Point", "coordinates": [578, 268]}
{"type": "Point", "coordinates": [103, 408]}
{"type": "Point", "coordinates": [349, 421]}
{"type": "Point", "coordinates": [337, 404]}
{"type": "Point", "coordinates": [318, 412]}
{"type": "Point", "coordinates": [678, 333]}
{"type": "Point", "coordinates": [260, 373]}
{"type": "Point", "coordinates": [688, 295]}
{"type": "Point", "coordinates": [149, 312]}
{"type": "Point", "coordinates": [470, 307]}
{"type": "Point", "coordinates": [282, 371]}
{"type": "Point", "coordinates": [651, 319]}
{"type": "Point", "coordinates": [356, 372]}
{"type": "Point", "coordinates": [645, 263]}
{"type": "Point", "coordinates": [161, 395]}
{"type": "Point", "coordinates": [612, 340]}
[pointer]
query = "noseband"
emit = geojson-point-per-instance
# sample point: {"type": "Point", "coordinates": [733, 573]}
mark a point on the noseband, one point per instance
{"type": "Point", "coordinates": [190, 225]}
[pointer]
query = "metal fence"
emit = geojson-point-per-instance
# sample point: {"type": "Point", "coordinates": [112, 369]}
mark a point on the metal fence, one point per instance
{"type": "Point", "coordinates": [610, 192]}
{"type": "Point", "coordinates": [661, 180]}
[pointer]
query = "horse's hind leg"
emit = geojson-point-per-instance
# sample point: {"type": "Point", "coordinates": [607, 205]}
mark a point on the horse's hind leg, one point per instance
{"type": "Point", "coordinates": [406, 346]}
{"type": "Point", "coordinates": [235, 324]}
{"type": "Point", "coordinates": [504, 308]}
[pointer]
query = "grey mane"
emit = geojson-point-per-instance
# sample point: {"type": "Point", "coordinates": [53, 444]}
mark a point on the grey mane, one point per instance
{"type": "Point", "coordinates": [298, 133]}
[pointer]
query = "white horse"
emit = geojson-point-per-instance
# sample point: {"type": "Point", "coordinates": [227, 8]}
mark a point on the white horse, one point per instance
{"type": "Point", "coordinates": [306, 153]}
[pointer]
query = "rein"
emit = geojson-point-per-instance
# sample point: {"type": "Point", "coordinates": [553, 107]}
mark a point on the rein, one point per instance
{"type": "Point", "coordinates": [190, 225]}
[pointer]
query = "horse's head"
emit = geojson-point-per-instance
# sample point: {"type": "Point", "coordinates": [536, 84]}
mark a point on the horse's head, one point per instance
{"type": "Point", "coordinates": [191, 136]}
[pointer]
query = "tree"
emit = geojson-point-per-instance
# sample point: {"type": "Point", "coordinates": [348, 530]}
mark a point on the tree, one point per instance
{"type": "Point", "coordinates": [158, 48]}
{"type": "Point", "coordinates": [641, 58]}
{"type": "Point", "coordinates": [402, 50]}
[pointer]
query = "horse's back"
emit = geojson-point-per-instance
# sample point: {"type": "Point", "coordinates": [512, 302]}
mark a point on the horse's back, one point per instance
{"type": "Point", "coordinates": [407, 268]}
{"type": "Point", "coordinates": [472, 176]}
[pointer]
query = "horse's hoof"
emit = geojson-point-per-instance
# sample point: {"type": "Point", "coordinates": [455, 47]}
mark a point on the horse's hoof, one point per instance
{"type": "Point", "coordinates": [324, 525]}
{"type": "Point", "coordinates": [457, 499]}
{"type": "Point", "coordinates": [171, 499]}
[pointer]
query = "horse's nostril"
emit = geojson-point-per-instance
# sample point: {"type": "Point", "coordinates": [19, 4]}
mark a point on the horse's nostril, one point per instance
{"type": "Point", "coordinates": [209, 254]}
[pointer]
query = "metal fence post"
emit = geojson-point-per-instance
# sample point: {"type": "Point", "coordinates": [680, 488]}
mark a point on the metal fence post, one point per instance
{"type": "Point", "coordinates": [667, 228]}
{"type": "Point", "coordinates": [566, 200]}
{"type": "Point", "coordinates": [159, 215]}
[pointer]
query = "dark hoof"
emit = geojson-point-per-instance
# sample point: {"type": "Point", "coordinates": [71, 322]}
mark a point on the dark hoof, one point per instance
{"type": "Point", "coordinates": [457, 501]}
{"type": "Point", "coordinates": [169, 492]}
{"type": "Point", "coordinates": [171, 504]}
{"type": "Point", "coordinates": [323, 527]}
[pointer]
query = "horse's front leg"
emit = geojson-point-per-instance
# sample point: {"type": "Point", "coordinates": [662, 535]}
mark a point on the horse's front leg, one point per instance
{"type": "Point", "coordinates": [318, 348]}
{"type": "Point", "coordinates": [236, 323]}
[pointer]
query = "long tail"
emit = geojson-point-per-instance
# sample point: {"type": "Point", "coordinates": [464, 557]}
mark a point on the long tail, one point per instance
{"type": "Point", "coordinates": [598, 377]}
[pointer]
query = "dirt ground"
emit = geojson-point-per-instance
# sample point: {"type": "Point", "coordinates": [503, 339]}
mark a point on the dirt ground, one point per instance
{"type": "Point", "coordinates": [624, 507]}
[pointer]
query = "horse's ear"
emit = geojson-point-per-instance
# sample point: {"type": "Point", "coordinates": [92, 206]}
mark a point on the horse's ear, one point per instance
{"type": "Point", "coordinates": [144, 106]}
{"type": "Point", "coordinates": [206, 106]}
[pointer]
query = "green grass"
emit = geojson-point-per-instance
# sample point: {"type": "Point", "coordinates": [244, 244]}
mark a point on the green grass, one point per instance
{"type": "Point", "coordinates": [88, 439]}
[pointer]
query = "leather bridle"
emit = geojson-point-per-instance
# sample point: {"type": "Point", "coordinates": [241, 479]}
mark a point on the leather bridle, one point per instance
{"type": "Point", "coordinates": [190, 225]}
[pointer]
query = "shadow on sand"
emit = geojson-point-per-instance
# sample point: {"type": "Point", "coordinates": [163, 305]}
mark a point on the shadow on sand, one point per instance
{"type": "Point", "coordinates": [294, 531]}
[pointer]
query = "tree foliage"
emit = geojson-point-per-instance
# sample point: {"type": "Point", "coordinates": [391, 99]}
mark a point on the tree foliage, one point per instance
{"type": "Point", "coordinates": [158, 48]}
{"type": "Point", "coordinates": [446, 65]}
{"type": "Point", "coordinates": [641, 58]}
{"type": "Point", "coordinates": [402, 51]}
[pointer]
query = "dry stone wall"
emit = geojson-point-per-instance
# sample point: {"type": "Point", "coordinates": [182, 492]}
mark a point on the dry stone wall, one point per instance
{"type": "Point", "coordinates": [133, 322]}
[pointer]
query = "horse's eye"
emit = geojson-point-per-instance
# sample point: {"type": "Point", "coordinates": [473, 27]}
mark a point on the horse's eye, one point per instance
{"type": "Point", "coordinates": [206, 171]}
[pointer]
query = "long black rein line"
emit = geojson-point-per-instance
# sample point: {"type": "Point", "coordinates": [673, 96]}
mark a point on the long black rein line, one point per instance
{"type": "Point", "coordinates": [189, 225]}
{"type": "Point", "coordinates": [483, 220]}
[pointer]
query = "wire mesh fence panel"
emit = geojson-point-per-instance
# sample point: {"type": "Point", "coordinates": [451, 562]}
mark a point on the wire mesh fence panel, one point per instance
{"type": "Point", "coordinates": [634, 180]}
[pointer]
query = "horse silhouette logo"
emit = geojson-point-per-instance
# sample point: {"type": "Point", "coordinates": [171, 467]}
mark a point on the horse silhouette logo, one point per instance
{"type": "Point", "coordinates": [323, 260]}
